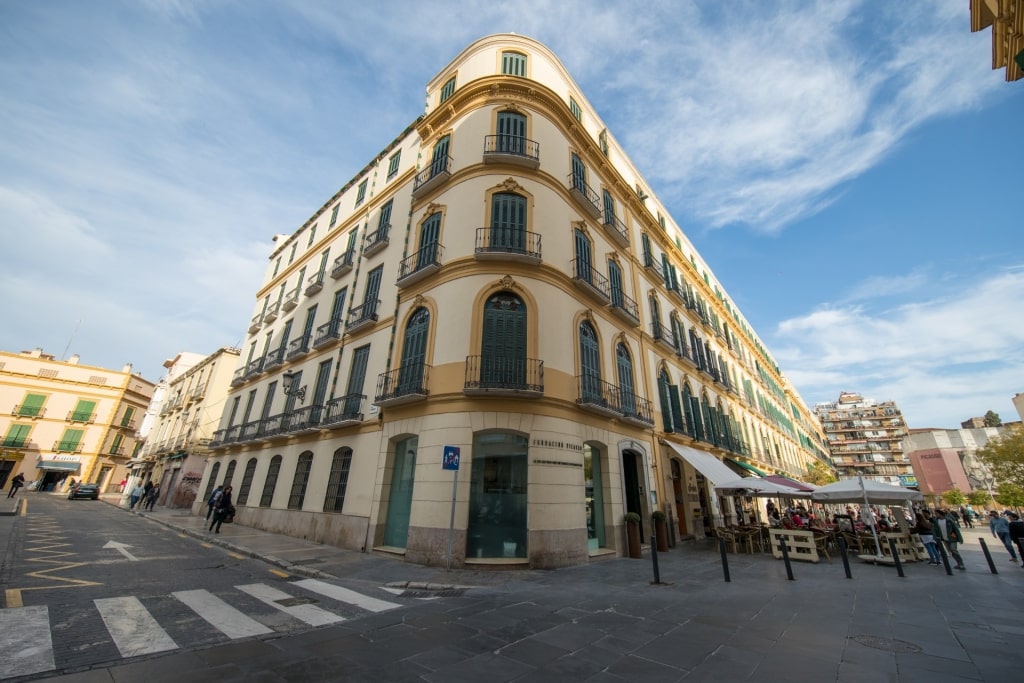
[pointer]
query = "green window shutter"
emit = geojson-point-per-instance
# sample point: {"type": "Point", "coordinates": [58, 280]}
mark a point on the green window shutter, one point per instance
{"type": "Point", "coordinates": [666, 403]}
{"type": "Point", "coordinates": [83, 411]}
{"type": "Point", "coordinates": [71, 440]}
{"type": "Point", "coordinates": [129, 413]}
{"type": "Point", "coordinates": [31, 405]}
{"type": "Point", "coordinates": [357, 375]}
{"type": "Point", "coordinates": [17, 435]}
{"type": "Point", "coordinates": [115, 447]}
{"type": "Point", "coordinates": [677, 411]}
{"type": "Point", "coordinates": [448, 89]}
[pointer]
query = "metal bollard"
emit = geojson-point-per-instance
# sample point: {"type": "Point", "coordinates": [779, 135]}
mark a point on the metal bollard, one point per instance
{"type": "Point", "coordinates": [945, 556]}
{"type": "Point", "coordinates": [725, 559]}
{"type": "Point", "coordinates": [785, 558]}
{"type": "Point", "coordinates": [846, 560]}
{"type": "Point", "coordinates": [896, 558]}
{"type": "Point", "coordinates": [654, 558]}
{"type": "Point", "coordinates": [988, 556]}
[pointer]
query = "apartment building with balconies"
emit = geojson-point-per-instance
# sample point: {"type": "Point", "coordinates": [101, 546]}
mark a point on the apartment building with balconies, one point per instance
{"type": "Point", "coordinates": [865, 438]}
{"type": "Point", "coordinates": [61, 419]}
{"type": "Point", "coordinates": [500, 288]}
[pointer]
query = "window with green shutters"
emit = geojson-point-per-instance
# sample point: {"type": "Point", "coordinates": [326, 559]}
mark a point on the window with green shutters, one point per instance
{"type": "Point", "coordinates": [384, 221]}
{"type": "Point", "coordinates": [70, 441]}
{"type": "Point", "coordinates": [508, 221]}
{"type": "Point", "coordinates": [414, 352]}
{"type": "Point", "coordinates": [513, 64]}
{"type": "Point", "coordinates": [430, 233]}
{"type": "Point", "coordinates": [511, 137]}
{"type": "Point", "coordinates": [666, 402]}
{"type": "Point", "coordinates": [393, 163]}
{"type": "Point", "coordinates": [246, 486]}
{"type": "Point", "coordinates": [334, 214]}
{"type": "Point", "coordinates": [300, 481]}
{"type": "Point", "coordinates": [602, 140]}
{"type": "Point", "coordinates": [574, 107]}
{"type": "Point", "coordinates": [503, 349]}
{"type": "Point", "coordinates": [337, 481]}
{"type": "Point", "coordinates": [627, 393]}
{"type": "Point", "coordinates": [590, 364]}
{"type": "Point", "coordinates": [17, 435]}
{"type": "Point", "coordinates": [31, 405]}
{"type": "Point", "coordinates": [448, 89]}
{"type": "Point", "coordinates": [129, 413]}
{"type": "Point", "coordinates": [271, 482]}
{"type": "Point", "coordinates": [83, 412]}
{"type": "Point", "coordinates": [361, 192]}
{"type": "Point", "coordinates": [115, 446]}
{"type": "Point", "coordinates": [356, 378]}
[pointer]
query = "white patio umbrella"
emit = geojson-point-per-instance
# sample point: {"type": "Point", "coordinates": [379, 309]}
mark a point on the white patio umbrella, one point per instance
{"type": "Point", "coordinates": [867, 491]}
{"type": "Point", "coordinates": [757, 487]}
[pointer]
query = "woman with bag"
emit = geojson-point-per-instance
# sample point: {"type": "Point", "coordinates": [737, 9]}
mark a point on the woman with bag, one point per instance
{"type": "Point", "coordinates": [222, 510]}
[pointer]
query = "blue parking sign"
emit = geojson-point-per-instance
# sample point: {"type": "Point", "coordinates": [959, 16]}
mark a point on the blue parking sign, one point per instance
{"type": "Point", "coordinates": [450, 459]}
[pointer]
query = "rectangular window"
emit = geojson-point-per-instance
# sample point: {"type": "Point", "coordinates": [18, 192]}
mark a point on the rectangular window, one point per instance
{"type": "Point", "coordinates": [291, 256]}
{"type": "Point", "coordinates": [661, 221]}
{"type": "Point", "coordinates": [602, 140]}
{"type": "Point", "coordinates": [357, 375]}
{"type": "Point", "coordinates": [513, 64]}
{"type": "Point", "coordinates": [393, 164]}
{"type": "Point", "coordinates": [448, 89]}
{"type": "Point", "coordinates": [361, 192]}
{"type": "Point", "coordinates": [334, 214]}
{"type": "Point", "coordinates": [234, 411]}
{"type": "Point", "coordinates": [337, 481]}
{"type": "Point", "coordinates": [129, 413]}
{"type": "Point", "coordinates": [115, 447]}
{"type": "Point", "coordinates": [312, 236]}
{"type": "Point", "coordinates": [324, 257]}
{"type": "Point", "coordinates": [83, 411]}
{"type": "Point", "coordinates": [384, 222]}
{"type": "Point", "coordinates": [71, 441]}
{"type": "Point", "coordinates": [248, 406]}
{"type": "Point", "coordinates": [17, 436]}
{"type": "Point", "coordinates": [268, 400]}
{"type": "Point", "coordinates": [277, 266]}
{"type": "Point", "coordinates": [575, 109]}
{"type": "Point", "coordinates": [31, 405]}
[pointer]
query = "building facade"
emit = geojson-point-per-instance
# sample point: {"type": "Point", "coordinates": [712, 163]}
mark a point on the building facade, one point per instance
{"type": "Point", "coordinates": [865, 438]}
{"type": "Point", "coordinates": [1006, 19]}
{"type": "Point", "coordinates": [67, 420]}
{"type": "Point", "coordinates": [944, 459]}
{"type": "Point", "coordinates": [500, 289]}
{"type": "Point", "coordinates": [189, 406]}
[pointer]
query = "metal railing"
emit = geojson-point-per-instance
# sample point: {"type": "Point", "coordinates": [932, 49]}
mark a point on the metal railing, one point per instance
{"type": "Point", "coordinates": [584, 273]}
{"type": "Point", "coordinates": [507, 240]}
{"type": "Point", "coordinates": [514, 145]}
{"type": "Point", "coordinates": [518, 374]}
{"type": "Point", "coordinates": [407, 381]}
{"type": "Point", "coordinates": [343, 409]}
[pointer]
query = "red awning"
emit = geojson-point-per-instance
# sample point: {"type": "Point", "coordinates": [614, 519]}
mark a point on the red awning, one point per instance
{"type": "Point", "coordinates": [791, 483]}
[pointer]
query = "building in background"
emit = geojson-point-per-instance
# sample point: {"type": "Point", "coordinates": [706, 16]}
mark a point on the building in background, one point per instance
{"type": "Point", "coordinates": [498, 290]}
{"type": "Point", "coordinates": [190, 403]}
{"type": "Point", "coordinates": [1018, 404]}
{"type": "Point", "coordinates": [864, 437]}
{"type": "Point", "coordinates": [944, 459]}
{"type": "Point", "coordinates": [62, 420]}
{"type": "Point", "coordinates": [1006, 18]}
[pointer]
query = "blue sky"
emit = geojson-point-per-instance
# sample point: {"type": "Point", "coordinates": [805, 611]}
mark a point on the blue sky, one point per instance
{"type": "Point", "coordinates": [849, 170]}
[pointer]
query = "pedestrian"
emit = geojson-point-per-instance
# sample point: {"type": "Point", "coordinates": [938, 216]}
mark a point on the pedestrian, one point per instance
{"type": "Point", "coordinates": [212, 501]}
{"type": "Point", "coordinates": [947, 532]}
{"type": "Point", "coordinates": [222, 510]}
{"type": "Point", "coordinates": [136, 496]}
{"type": "Point", "coordinates": [154, 493]}
{"type": "Point", "coordinates": [923, 529]}
{"type": "Point", "coordinates": [1000, 528]}
{"type": "Point", "coordinates": [966, 515]}
{"type": "Point", "coordinates": [120, 487]}
{"type": "Point", "coordinates": [1016, 527]}
{"type": "Point", "coordinates": [16, 483]}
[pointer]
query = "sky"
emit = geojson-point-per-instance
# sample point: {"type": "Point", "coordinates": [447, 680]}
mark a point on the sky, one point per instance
{"type": "Point", "coordinates": [850, 171]}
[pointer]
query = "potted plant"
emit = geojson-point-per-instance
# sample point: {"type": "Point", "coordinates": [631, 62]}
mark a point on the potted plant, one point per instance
{"type": "Point", "coordinates": [660, 530]}
{"type": "Point", "coordinates": [632, 520]}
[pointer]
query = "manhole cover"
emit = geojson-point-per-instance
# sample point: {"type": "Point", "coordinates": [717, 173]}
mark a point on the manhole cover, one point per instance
{"type": "Point", "coordinates": [292, 602]}
{"type": "Point", "coordinates": [887, 644]}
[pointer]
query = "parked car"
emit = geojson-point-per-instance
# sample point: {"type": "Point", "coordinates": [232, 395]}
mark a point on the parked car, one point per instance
{"type": "Point", "coordinates": [85, 491]}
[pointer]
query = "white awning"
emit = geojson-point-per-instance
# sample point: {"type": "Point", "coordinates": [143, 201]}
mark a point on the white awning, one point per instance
{"type": "Point", "coordinates": [711, 467]}
{"type": "Point", "coordinates": [58, 465]}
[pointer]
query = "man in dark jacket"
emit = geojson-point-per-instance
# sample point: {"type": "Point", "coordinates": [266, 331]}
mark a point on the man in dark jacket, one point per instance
{"type": "Point", "coordinates": [1016, 529]}
{"type": "Point", "coordinates": [947, 532]}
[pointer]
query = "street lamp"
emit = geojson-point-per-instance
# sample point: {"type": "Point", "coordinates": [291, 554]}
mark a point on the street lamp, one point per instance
{"type": "Point", "coordinates": [288, 382]}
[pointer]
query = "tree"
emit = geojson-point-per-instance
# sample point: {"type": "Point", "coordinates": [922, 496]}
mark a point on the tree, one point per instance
{"type": "Point", "coordinates": [1004, 457]}
{"type": "Point", "coordinates": [979, 498]}
{"type": "Point", "coordinates": [819, 474]}
{"type": "Point", "coordinates": [1011, 495]}
{"type": "Point", "coordinates": [992, 419]}
{"type": "Point", "coordinates": [954, 497]}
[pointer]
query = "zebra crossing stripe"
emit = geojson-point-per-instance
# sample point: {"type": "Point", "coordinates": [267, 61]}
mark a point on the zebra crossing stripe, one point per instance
{"type": "Point", "coordinates": [133, 629]}
{"type": "Point", "coordinates": [312, 615]}
{"type": "Point", "coordinates": [221, 615]}
{"type": "Point", "coordinates": [347, 596]}
{"type": "Point", "coordinates": [25, 641]}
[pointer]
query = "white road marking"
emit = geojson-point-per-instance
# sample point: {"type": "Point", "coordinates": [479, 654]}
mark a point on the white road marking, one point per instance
{"type": "Point", "coordinates": [121, 548]}
{"type": "Point", "coordinates": [133, 629]}
{"type": "Point", "coordinates": [314, 616]}
{"type": "Point", "coordinates": [25, 641]}
{"type": "Point", "coordinates": [347, 596]}
{"type": "Point", "coordinates": [221, 615]}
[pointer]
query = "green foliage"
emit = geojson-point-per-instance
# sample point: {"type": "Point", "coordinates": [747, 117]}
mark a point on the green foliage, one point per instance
{"type": "Point", "coordinates": [1004, 456]}
{"type": "Point", "coordinates": [954, 496]}
{"type": "Point", "coordinates": [992, 419]}
{"type": "Point", "coordinates": [979, 498]}
{"type": "Point", "coordinates": [632, 517]}
{"type": "Point", "coordinates": [658, 516]}
{"type": "Point", "coordinates": [1011, 495]}
{"type": "Point", "coordinates": [819, 474]}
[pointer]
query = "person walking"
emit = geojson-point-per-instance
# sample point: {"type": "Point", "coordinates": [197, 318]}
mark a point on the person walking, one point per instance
{"type": "Point", "coordinates": [222, 509]}
{"type": "Point", "coordinates": [136, 496]}
{"type": "Point", "coordinates": [948, 533]}
{"type": "Point", "coordinates": [1016, 527]}
{"type": "Point", "coordinates": [16, 483]}
{"type": "Point", "coordinates": [151, 498]}
{"type": "Point", "coordinates": [923, 529]}
{"type": "Point", "coordinates": [967, 516]}
{"type": "Point", "coordinates": [212, 501]}
{"type": "Point", "coordinates": [1000, 528]}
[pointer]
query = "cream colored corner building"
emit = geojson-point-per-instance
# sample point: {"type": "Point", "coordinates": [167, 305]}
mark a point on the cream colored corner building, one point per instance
{"type": "Point", "coordinates": [62, 420]}
{"type": "Point", "coordinates": [498, 283]}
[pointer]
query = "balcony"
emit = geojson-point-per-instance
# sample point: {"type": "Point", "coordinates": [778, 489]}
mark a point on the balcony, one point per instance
{"type": "Point", "coordinates": [33, 412]}
{"type": "Point", "coordinates": [343, 264]}
{"type": "Point", "coordinates": [254, 368]}
{"type": "Point", "coordinates": [362, 316]}
{"type": "Point", "coordinates": [255, 324]}
{"type": "Point", "coordinates": [250, 431]}
{"type": "Point", "coordinates": [327, 333]}
{"type": "Point", "coordinates": [678, 294]}
{"type": "Point", "coordinates": [219, 438]}
{"type": "Point", "coordinates": [343, 412]}
{"type": "Point", "coordinates": [507, 244]}
{"type": "Point", "coordinates": [407, 384]}
{"type": "Point", "coordinates": [625, 308]}
{"type": "Point", "coordinates": [434, 175]}
{"type": "Point", "coordinates": [636, 410]}
{"type": "Point", "coordinates": [271, 314]}
{"type": "Point", "coordinates": [274, 426]}
{"type": "Point", "coordinates": [376, 240]}
{"type": "Point", "coordinates": [305, 420]}
{"type": "Point", "coordinates": [588, 279]}
{"type": "Point", "coordinates": [663, 336]}
{"type": "Point", "coordinates": [298, 347]}
{"type": "Point", "coordinates": [291, 299]}
{"type": "Point", "coordinates": [199, 392]}
{"type": "Point", "coordinates": [420, 265]}
{"type": "Point", "coordinates": [615, 228]}
{"type": "Point", "coordinates": [314, 284]}
{"type": "Point", "coordinates": [84, 416]}
{"type": "Point", "coordinates": [275, 358]}
{"type": "Point", "coordinates": [523, 377]}
{"type": "Point", "coordinates": [584, 196]}
{"type": "Point", "coordinates": [67, 447]}
{"type": "Point", "coordinates": [597, 396]}
{"type": "Point", "coordinates": [128, 426]}
{"type": "Point", "coordinates": [15, 442]}
{"type": "Point", "coordinates": [511, 149]}
{"type": "Point", "coordinates": [238, 379]}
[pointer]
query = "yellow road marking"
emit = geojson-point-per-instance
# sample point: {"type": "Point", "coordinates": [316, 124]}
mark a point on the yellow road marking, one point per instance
{"type": "Point", "coordinates": [277, 572]}
{"type": "Point", "coordinates": [237, 556]}
{"type": "Point", "coordinates": [206, 545]}
{"type": "Point", "coordinates": [24, 506]}
{"type": "Point", "coordinates": [14, 598]}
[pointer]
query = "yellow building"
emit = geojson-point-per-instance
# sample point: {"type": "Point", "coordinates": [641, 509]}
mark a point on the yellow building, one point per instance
{"type": "Point", "coordinates": [498, 288]}
{"type": "Point", "coordinates": [67, 420]}
{"type": "Point", "coordinates": [1006, 19]}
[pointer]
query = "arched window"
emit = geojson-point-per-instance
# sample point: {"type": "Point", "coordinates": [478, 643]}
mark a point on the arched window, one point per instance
{"type": "Point", "coordinates": [243, 490]}
{"type": "Point", "coordinates": [337, 482]}
{"type": "Point", "coordinates": [300, 480]}
{"type": "Point", "coordinates": [508, 222]}
{"type": "Point", "coordinates": [212, 481]}
{"type": "Point", "coordinates": [503, 346]}
{"type": "Point", "coordinates": [590, 364]}
{"type": "Point", "coordinates": [414, 352]}
{"type": "Point", "coordinates": [627, 395]}
{"type": "Point", "coordinates": [229, 473]}
{"type": "Point", "coordinates": [271, 482]}
{"type": "Point", "coordinates": [710, 420]}
{"type": "Point", "coordinates": [439, 160]}
{"type": "Point", "coordinates": [665, 391]}
{"type": "Point", "coordinates": [615, 281]}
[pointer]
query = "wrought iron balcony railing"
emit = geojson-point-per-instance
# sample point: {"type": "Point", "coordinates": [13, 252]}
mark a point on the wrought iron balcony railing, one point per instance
{"type": "Point", "coordinates": [419, 265]}
{"type": "Point", "coordinates": [85, 416]}
{"type": "Point", "coordinates": [585, 196]}
{"type": "Point", "coordinates": [327, 333]}
{"type": "Point", "coordinates": [514, 149]}
{"type": "Point", "coordinates": [298, 347]}
{"type": "Point", "coordinates": [586, 276]}
{"type": "Point", "coordinates": [433, 175]}
{"type": "Point", "coordinates": [504, 375]}
{"type": "Point", "coordinates": [623, 306]}
{"type": "Point", "coordinates": [616, 228]}
{"type": "Point", "coordinates": [507, 243]}
{"type": "Point", "coordinates": [377, 240]}
{"type": "Point", "coordinates": [402, 385]}
{"type": "Point", "coordinates": [362, 315]}
{"type": "Point", "coordinates": [343, 264]}
{"type": "Point", "coordinates": [343, 411]}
